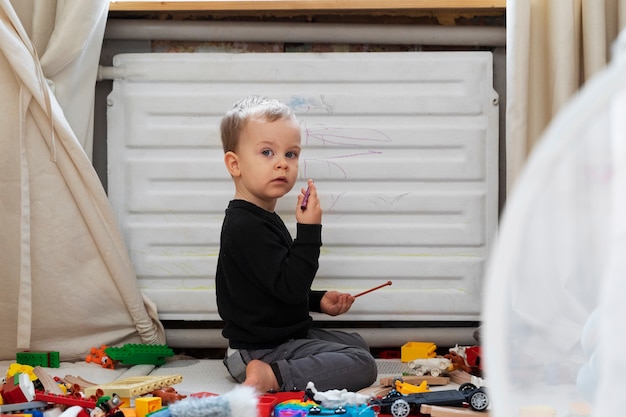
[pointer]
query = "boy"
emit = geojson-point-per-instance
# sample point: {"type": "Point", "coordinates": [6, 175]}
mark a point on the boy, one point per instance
{"type": "Point", "coordinates": [264, 277]}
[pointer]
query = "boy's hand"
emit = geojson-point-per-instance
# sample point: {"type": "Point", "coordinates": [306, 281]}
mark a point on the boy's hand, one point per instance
{"type": "Point", "coordinates": [335, 303]}
{"type": "Point", "coordinates": [312, 211]}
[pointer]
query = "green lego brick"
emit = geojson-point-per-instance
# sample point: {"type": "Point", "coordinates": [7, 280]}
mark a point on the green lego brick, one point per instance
{"type": "Point", "coordinates": [43, 359]}
{"type": "Point", "coordinates": [138, 354]}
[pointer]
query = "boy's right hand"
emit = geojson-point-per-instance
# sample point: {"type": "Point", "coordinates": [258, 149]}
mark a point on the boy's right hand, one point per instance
{"type": "Point", "coordinates": [312, 211]}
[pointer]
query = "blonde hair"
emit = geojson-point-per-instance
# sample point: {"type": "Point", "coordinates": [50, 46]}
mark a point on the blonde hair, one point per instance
{"type": "Point", "coordinates": [252, 107]}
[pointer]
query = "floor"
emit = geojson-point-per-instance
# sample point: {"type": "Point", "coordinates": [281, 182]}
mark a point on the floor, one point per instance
{"type": "Point", "coordinates": [199, 375]}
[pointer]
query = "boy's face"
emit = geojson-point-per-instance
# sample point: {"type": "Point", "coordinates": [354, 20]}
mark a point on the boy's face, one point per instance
{"type": "Point", "coordinates": [266, 161]}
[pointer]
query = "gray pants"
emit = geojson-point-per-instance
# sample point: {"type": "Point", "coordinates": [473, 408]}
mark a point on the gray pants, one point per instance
{"type": "Point", "coordinates": [330, 359]}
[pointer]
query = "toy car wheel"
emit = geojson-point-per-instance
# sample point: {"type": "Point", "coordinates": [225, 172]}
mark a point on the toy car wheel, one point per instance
{"type": "Point", "coordinates": [315, 410]}
{"type": "Point", "coordinates": [468, 386]}
{"type": "Point", "coordinates": [419, 372]}
{"type": "Point", "coordinates": [340, 410]}
{"type": "Point", "coordinates": [479, 401]}
{"type": "Point", "coordinates": [400, 408]}
{"type": "Point", "coordinates": [435, 372]}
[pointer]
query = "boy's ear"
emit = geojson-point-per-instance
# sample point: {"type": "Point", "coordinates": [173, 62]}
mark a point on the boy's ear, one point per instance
{"type": "Point", "coordinates": [231, 160]}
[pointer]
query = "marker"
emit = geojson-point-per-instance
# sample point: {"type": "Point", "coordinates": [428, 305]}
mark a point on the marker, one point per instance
{"type": "Point", "coordinates": [305, 200]}
{"type": "Point", "coordinates": [372, 289]}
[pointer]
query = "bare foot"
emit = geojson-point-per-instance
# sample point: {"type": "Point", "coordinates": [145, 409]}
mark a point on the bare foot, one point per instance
{"type": "Point", "coordinates": [260, 376]}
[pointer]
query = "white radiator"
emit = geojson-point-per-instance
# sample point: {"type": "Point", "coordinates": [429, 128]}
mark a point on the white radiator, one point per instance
{"type": "Point", "coordinates": [402, 146]}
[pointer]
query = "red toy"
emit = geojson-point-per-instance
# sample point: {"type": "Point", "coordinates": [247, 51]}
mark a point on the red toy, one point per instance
{"type": "Point", "coordinates": [466, 358]}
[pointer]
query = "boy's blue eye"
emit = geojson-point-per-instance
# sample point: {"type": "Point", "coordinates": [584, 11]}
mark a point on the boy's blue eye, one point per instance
{"type": "Point", "coordinates": [292, 155]}
{"type": "Point", "coordinates": [267, 152]}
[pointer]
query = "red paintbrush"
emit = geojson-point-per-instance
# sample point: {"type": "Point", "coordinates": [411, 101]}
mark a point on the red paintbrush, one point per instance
{"type": "Point", "coordinates": [372, 289]}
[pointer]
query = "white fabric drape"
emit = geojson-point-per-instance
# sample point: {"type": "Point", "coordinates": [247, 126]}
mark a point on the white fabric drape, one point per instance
{"type": "Point", "coordinates": [554, 306]}
{"type": "Point", "coordinates": [67, 280]}
{"type": "Point", "coordinates": [553, 47]}
{"type": "Point", "coordinates": [67, 34]}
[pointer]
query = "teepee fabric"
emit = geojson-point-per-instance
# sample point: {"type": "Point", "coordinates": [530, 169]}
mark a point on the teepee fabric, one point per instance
{"type": "Point", "coordinates": [67, 282]}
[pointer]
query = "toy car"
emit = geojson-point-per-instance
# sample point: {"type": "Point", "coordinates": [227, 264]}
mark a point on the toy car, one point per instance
{"type": "Point", "coordinates": [399, 405]}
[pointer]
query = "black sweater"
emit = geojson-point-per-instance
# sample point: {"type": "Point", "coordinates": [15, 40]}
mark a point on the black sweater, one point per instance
{"type": "Point", "coordinates": [263, 279]}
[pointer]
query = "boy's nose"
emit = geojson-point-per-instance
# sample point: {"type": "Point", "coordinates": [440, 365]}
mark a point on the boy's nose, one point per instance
{"type": "Point", "coordinates": [282, 163]}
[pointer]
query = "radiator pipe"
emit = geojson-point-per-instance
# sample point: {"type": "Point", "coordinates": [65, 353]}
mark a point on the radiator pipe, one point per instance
{"type": "Point", "coordinates": [135, 29]}
{"type": "Point", "coordinates": [375, 338]}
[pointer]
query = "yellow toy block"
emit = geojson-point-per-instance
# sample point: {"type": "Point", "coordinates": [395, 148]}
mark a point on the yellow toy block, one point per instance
{"type": "Point", "coordinates": [129, 412]}
{"type": "Point", "coordinates": [417, 350]}
{"type": "Point", "coordinates": [147, 405]}
{"type": "Point", "coordinates": [135, 386]}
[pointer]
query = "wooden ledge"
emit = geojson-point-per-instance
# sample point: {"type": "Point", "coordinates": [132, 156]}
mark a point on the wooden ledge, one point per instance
{"type": "Point", "coordinates": [313, 5]}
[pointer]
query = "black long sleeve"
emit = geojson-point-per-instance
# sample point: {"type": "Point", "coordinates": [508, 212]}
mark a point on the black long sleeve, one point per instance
{"type": "Point", "coordinates": [263, 278]}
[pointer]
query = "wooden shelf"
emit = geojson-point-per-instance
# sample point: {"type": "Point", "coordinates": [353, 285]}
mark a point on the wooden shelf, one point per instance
{"type": "Point", "coordinates": [318, 5]}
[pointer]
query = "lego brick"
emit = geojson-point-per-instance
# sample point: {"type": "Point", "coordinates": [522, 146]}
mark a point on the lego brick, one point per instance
{"type": "Point", "coordinates": [135, 386]}
{"type": "Point", "coordinates": [415, 350]}
{"type": "Point", "coordinates": [137, 354]}
{"type": "Point", "coordinates": [44, 359]}
{"type": "Point", "coordinates": [147, 405]}
{"type": "Point", "coordinates": [413, 379]}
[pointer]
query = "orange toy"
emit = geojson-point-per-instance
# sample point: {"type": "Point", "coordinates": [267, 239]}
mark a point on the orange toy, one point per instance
{"type": "Point", "coordinates": [97, 355]}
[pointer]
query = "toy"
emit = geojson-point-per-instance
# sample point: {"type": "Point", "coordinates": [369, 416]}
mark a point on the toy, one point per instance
{"type": "Point", "coordinates": [48, 383]}
{"type": "Point", "coordinates": [295, 408]}
{"type": "Point", "coordinates": [399, 405]}
{"type": "Point", "coordinates": [45, 359]}
{"type": "Point", "coordinates": [433, 366]}
{"type": "Point", "coordinates": [462, 377]}
{"type": "Point", "coordinates": [406, 388]}
{"type": "Point", "coordinates": [331, 402]}
{"type": "Point", "coordinates": [415, 350]}
{"type": "Point", "coordinates": [99, 356]}
{"type": "Point", "coordinates": [137, 354]}
{"type": "Point", "coordinates": [134, 386]}
{"type": "Point", "coordinates": [466, 358]}
{"type": "Point", "coordinates": [414, 379]}
{"type": "Point", "coordinates": [18, 389]}
{"type": "Point", "coordinates": [168, 395]}
{"type": "Point", "coordinates": [78, 382]}
{"type": "Point", "coordinates": [16, 368]}
{"type": "Point", "coordinates": [334, 398]}
{"type": "Point", "coordinates": [147, 405]}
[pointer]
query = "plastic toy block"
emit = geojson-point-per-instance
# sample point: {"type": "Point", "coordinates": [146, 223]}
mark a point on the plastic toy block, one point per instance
{"type": "Point", "coordinates": [137, 354]}
{"type": "Point", "coordinates": [18, 389]}
{"type": "Point", "coordinates": [413, 379]}
{"type": "Point", "coordinates": [415, 350]}
{"type": "Point", "coordinates": [10, 408]}
{"type": "Point", "coordinates": [65, 400]}
{"type": "Point", "coordinates": [135, 386]}
{"type": "Point", "coordinates": [147, 405]}
{"type": "Point", "coordinates": [266, 405]}
{"type": "Point", "coordinates": [128, 411]}
{"type": "Point", "coordinates": [44, 359]}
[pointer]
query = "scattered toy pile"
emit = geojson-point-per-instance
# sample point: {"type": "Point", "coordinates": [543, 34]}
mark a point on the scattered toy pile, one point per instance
{"type": "Point", "coordinates": [28, 390]}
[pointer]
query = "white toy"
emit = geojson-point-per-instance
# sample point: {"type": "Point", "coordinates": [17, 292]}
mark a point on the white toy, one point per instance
{"type": "Point", "coordinates": [335, 398]}
{"type": "Point", "coordinates": [433, 366]}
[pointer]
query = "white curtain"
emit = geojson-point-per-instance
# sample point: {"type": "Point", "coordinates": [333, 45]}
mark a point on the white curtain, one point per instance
{"type": "Point", "coordinates": [553, 48]}
{"type": "Point", "coordinates": [554, 302]}
{"type": "Point", "coordinates": [67, 280]}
